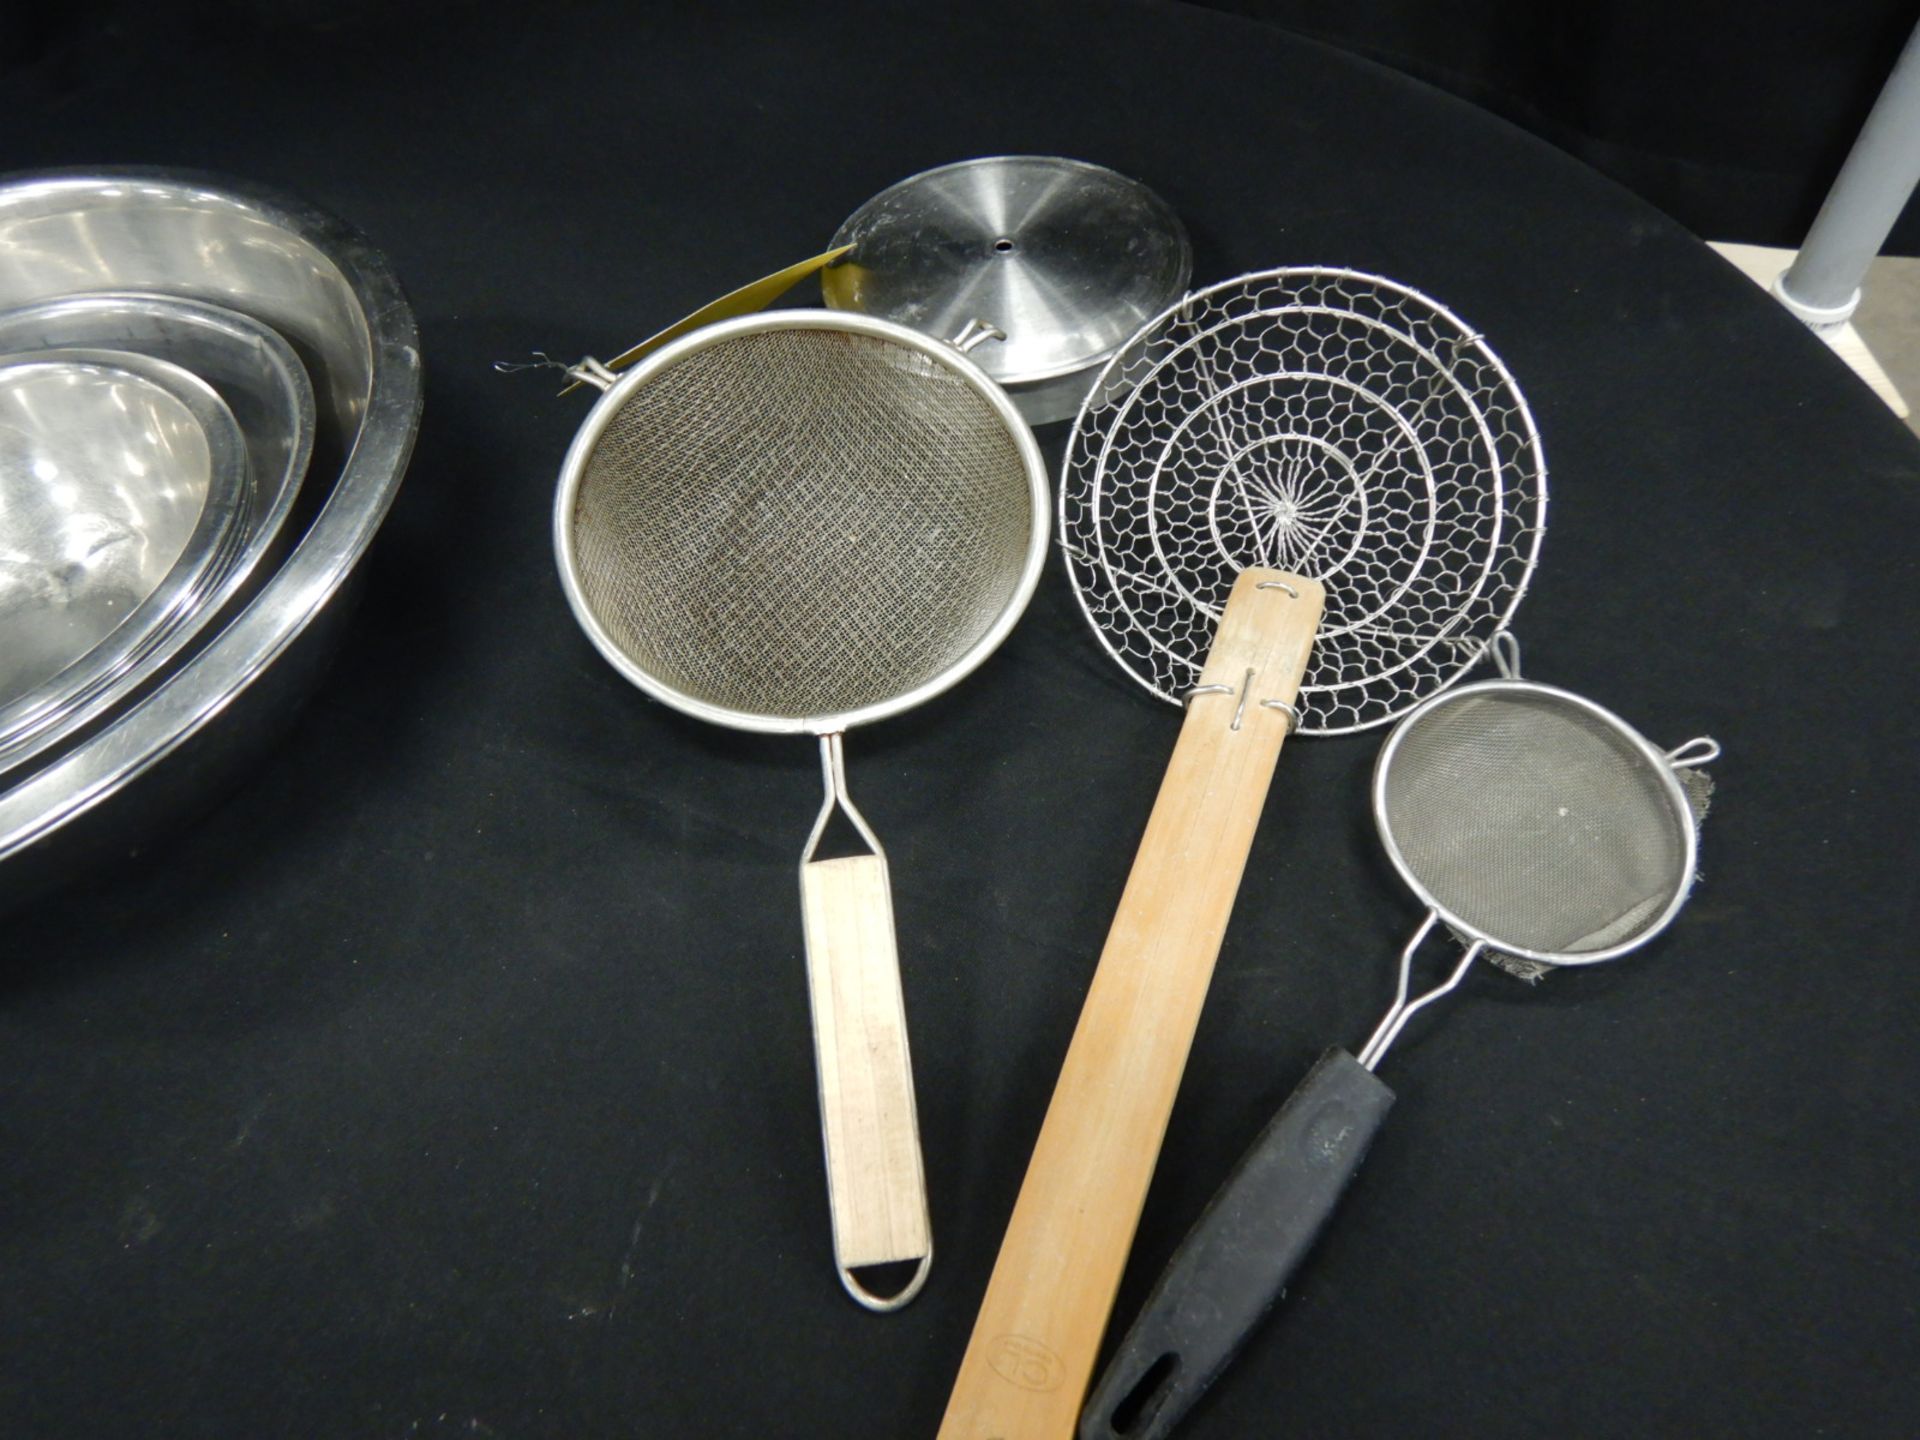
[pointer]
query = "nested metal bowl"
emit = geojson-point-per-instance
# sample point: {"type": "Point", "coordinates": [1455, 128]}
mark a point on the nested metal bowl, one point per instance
{"type": "Point", "coordinates": [333, 297]}
{"type": "Point", "coordinates": [123, 494]}
{"type": "Point", "coordinates": [265, 388]}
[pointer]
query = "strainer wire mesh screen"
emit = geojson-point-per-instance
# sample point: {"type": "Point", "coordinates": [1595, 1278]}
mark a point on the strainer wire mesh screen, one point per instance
{"type": "Point", "coordinates": [1535, 822]}
{"type": "Point", "coordinates": [801, 522]}
{"type": "Point", "coordinates": [1326, 422]}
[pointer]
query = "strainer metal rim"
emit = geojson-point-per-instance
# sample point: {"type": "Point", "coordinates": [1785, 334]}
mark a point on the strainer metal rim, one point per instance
{"type": "Point", "coordinates": [587, 438]}
{"type": "Point", "coordinates": [1657, 758]}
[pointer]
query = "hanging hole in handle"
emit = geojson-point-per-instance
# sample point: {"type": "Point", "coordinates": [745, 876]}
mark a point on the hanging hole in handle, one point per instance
{"type": "Point", "coordinates": [1140, 1403]}
{"type": "Point", "coordinates": [888, 1285]}
{"type": "Point", "coordinates": [1701, 750]}
{"type": "Point", "coordinates": [1003, 246]}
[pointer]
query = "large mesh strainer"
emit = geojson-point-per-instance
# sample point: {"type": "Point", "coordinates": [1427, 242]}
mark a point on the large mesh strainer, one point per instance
{"type": "Point", "coordinates": [1533, 824]}
{"type": "Point", "coordinates": [801, 522]}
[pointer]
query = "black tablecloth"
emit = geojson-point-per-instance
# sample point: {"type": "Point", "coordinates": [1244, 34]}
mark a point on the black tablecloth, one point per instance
{"type": "Point", "coordinates": [454, 1078]}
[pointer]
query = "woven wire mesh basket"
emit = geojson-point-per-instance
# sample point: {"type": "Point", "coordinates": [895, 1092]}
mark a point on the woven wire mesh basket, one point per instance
{"type": "Point", "coordinates": [1323, 421]}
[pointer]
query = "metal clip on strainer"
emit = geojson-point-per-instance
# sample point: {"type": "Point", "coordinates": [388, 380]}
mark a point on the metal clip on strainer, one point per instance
{"type": "Point", "coordinates": [1532, 823]}
{"type": "Point", "coordinates": [799, 522]}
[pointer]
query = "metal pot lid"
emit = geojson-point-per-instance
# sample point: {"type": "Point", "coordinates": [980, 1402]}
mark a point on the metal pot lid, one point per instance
{"type": "Point", "coordinates": [1069, 259]}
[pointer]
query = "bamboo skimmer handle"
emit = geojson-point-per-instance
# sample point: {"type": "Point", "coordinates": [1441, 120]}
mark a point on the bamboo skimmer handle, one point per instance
{"type": "Point", "coordinates": [1031, 1355]}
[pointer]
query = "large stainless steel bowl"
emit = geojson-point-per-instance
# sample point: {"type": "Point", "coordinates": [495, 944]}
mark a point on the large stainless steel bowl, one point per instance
{"type": "Point", "coordinates": [333, 297]}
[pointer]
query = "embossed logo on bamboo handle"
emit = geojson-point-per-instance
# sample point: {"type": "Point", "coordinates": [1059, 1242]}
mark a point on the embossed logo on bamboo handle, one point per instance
{"type": "Point", "coordinates": [1026, 1363]}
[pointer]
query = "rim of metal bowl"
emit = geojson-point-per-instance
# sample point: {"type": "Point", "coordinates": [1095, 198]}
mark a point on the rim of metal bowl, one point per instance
{"type": "Point", "coordinates": [357, 501]}
{"type": "Point", "coordinates": [939, 351]}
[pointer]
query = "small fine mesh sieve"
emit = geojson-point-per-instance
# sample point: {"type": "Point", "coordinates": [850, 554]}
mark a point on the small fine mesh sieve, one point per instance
{"type": "Point", "coordinates": [1532, 820]}
{"type": "Point", "coordinates": [1537, 826]}
{"type": "Point", "coordinates": [801, 522]}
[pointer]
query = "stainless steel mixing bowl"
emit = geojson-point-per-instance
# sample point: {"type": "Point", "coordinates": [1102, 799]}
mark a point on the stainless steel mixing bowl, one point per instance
{"type": "Point", "coordinates": [123, 494]}
{"type": "Point", "coordinates": [334, 298]}
{"type": "Point", "coordinates": [265, 387]}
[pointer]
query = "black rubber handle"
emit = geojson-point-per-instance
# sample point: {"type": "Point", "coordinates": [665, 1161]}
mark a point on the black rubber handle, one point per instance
{"type": "Point", "coordinates": [1236, 1260]}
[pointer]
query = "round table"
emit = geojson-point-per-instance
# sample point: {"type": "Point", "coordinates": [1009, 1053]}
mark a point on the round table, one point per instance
{"type": "Point", "coordinates": [453, 1077]}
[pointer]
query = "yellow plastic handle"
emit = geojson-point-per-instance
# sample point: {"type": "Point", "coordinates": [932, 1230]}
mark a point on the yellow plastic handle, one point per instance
{"type": "Point", "coordinates": [744, 301]}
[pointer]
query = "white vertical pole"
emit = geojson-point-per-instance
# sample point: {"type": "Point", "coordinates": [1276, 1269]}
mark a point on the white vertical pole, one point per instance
{"type": "Point", "coordinates": [1822, 286]}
